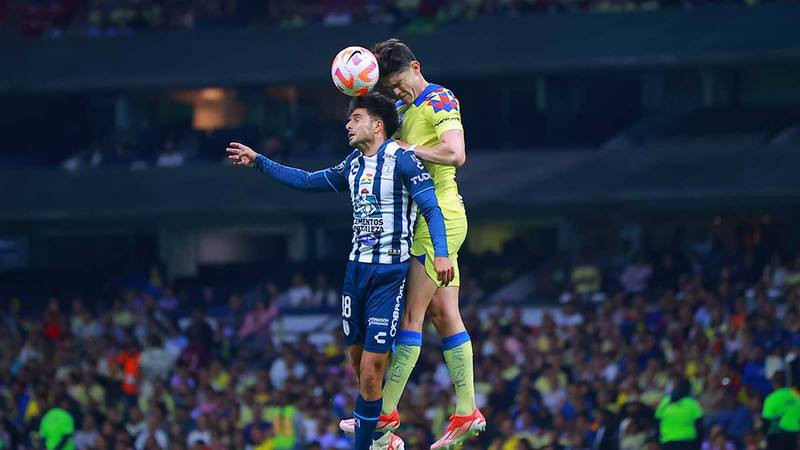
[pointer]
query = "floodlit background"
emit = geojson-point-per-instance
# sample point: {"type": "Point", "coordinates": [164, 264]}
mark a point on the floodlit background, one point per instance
{"type": "Point", "coordinates": [631, 185]}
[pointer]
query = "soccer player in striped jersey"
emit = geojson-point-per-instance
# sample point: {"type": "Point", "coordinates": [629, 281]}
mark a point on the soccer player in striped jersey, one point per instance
{"type": "Point", "coordinates": [387, 185]}
{"type": "Point", "coordinates": [431, 126]}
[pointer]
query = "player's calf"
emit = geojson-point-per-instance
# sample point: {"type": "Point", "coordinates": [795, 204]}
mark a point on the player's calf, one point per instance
{"type": "Point", "coordinates": [368, 404]}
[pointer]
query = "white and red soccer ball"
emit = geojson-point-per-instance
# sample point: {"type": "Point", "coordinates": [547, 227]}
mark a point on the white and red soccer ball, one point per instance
{"type": "Point", "coordinates": [355, 71]}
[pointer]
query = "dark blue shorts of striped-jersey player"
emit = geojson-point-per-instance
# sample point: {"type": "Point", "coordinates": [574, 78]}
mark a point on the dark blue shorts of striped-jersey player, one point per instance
{"type": "Point", "coordinates": [373, 297]}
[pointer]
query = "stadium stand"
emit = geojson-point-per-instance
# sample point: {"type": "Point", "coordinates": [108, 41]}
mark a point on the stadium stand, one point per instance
{"type": "Point", "coordinates": [97, 18]}
{"type": "Point", "coordinates": [235, 371]}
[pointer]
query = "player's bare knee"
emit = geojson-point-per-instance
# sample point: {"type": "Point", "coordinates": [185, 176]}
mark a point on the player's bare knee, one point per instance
{"type": "Point", "coordinates": [413, 318]}
{"type": "Point", "coordinates": [437, 310]}
{"type": "Point", "coordinates": [437, 319]}
{"type": "Point", "coordinates": [374, 366]}
{"type": "Point", "coordinates": [445, 315]}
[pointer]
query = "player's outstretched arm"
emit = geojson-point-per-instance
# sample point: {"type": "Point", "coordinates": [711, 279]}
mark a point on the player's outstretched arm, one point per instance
{"type": "Point", "coordinates": [419, 183]}
{"type": "Point", "coordinates": [318, 181]}
{"type": "Point", "coordinates": [449, 151]}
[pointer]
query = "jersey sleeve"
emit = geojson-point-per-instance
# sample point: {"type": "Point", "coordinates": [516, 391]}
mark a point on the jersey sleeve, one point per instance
{"type": "Point", "coordinates": [771, 409]}
{"type": "Point", "coordinates": [337, 175]}
{"type": "Point", "coordinates": [328, 180]}
{"type": "Point", "coordinates": [662, 406]}
{"type": "Point", "coordinates": [697, 410]}
{"type": "Point", "coordinates": [443, 111]}
{"type": "Point", "coordinates": [420, 185]}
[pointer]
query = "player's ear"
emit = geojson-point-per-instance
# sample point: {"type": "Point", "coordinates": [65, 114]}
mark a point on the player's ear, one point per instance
{"type": "Point", "coordinates": [415, 67]}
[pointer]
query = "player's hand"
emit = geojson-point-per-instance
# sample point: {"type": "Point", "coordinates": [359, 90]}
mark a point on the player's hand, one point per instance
{"type": "Point", "coordinates": [444, 269]}
{"type": "Point", "coordinates": [241, 155]}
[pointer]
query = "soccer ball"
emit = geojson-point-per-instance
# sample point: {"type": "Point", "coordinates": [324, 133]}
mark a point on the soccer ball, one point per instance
{"type": "Point", "coordinates": [355, 71]}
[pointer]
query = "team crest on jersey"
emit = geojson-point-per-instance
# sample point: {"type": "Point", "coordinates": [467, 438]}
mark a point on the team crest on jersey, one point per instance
{"type": "Point", "coordinates": [443, 100]}
{"type": "Point", "coordinates": [388, 165]}
{"type": "Point", "coordinates": [388, 168]}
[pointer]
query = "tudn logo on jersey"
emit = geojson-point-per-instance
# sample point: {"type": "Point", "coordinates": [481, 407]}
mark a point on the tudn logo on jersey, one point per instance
{"type": "Point", "coordinates": [443, 101]}
{"type": "Point", "coordinates": [424, 176]}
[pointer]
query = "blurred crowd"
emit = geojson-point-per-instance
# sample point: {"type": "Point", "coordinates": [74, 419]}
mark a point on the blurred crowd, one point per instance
{"type": "Point", "coordinates": [53, 18]}
{"type": "Point", "coordinates": [154, 369]}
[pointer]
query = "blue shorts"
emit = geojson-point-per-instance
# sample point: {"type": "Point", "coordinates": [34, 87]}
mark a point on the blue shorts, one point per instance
{"type": "Point", "coordinates": [373, 297]}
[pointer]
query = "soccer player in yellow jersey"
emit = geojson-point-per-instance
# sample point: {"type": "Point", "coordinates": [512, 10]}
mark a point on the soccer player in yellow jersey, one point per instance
{"type": "Point", "coordinates": [431, 126]}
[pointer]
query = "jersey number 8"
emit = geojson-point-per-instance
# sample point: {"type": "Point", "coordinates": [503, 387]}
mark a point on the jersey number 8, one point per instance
{"type": "Point", "coordinates": [346, 312]}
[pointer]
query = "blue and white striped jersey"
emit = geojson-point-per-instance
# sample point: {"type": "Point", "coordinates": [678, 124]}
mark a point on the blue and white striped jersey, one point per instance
{"type": "Point", "coordinates": [381, 188]}
{"type": "Point", "coordinates": [385, 189]}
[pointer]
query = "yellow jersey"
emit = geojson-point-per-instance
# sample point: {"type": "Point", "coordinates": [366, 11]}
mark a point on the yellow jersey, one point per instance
{"type": "Point", "coordinates": [435, 111]}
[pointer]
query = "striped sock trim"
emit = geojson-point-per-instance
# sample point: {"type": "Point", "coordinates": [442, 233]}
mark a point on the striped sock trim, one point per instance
{"type": "Point", "coordinates": [406, 337]}
{"type": "Point", "coordinates": [455, 340]}
{"type": "Point", "coordinates": [371, 419]}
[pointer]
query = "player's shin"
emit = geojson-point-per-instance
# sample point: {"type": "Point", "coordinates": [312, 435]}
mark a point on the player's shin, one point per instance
{"type": "Point", "coordinates": [408, 346]}
{"type": "Point", "coordinates": [458, 357]}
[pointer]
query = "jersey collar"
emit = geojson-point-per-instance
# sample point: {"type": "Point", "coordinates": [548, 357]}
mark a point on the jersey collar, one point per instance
{"type": "Point", "coordinates": [383, 146]}
{"type": "Point", "coordinates": [421, 97]}
{"type": "Point", "coordinates": [380, 149]}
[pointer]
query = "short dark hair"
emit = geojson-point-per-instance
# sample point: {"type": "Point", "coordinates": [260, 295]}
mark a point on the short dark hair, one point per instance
{"type": "Point", "coordinates": [393, 56]}
{"type": "Point", "coordinates": [683, 388]}
{"type": "Point", "coordinates": [378, 106]}
{"type": "Point", "coordinates": [779, 378]}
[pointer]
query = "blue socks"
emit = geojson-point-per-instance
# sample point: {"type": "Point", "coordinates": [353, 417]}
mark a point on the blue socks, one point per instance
{"type": "Point", "coordinates": [455, 340]}
{"type": "Point", "coordinates": [366, 415]}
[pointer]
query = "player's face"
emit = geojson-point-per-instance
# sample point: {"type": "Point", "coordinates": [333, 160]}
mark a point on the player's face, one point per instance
{"type": "Point", "coordinates": [360, 127]}
{"type": "Point", "coordinates": [405, 84]}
